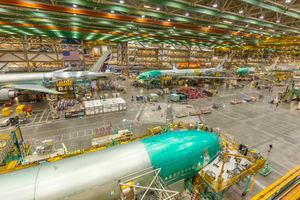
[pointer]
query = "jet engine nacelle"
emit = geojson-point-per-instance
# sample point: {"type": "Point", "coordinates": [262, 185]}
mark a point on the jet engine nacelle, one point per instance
{"type": "Point", "coordinates": [6, 94]}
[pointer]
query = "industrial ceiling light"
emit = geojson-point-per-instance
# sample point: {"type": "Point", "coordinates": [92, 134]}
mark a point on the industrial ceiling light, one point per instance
{"type": "Point", "coordinates": [247, 25]}
{"type": "Point", "coordinates": [74, 14]}
{"type": "Point", "coordinates": [157, 8]}
{"type": "Point", "coordinates": [215, 5]}
{"type": "Point", "coordinates": [112, 11]}
{"type": "Point", "coordinates": [288, 1]}
{"type": "Point", "coordinates": [227, 22]}
{"type": "Point", "coordinates": [145, 6]}
{"type": "Point", "coordinates": [277, 21]}
{"type": "Point", "coordinates": [241, 11]}
{"type": "Point", "coordinates": [121, 1]}
{"type": "Point", "coordinates": [74, 5]}
{"type": "Point", "coordinates": [260, 28]}
{"type": "Point", "coordinates": [209, 27]}
{"type": "Point", "coordinates": [261, 17]}
{"type": "Point", "coordinates": [187, 14]}
{"type": "Point", "coordinates": [169, 20]}
{"type": "Point", "coordinates": [143, 16]}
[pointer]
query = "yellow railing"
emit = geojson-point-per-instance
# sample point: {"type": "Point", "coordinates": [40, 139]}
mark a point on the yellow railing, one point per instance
{"type": "Point", "coordinates": [278, 185]}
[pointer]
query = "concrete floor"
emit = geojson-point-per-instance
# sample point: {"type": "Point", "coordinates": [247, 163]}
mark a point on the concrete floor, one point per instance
{"type": "Point", "coordinates": [258, 125]}
{"type": "Point", "coordinates": [255, 124]}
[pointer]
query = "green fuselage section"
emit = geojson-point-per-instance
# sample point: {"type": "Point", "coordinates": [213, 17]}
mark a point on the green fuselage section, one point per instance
{"type": "Point", "coordinates": [181, 154]}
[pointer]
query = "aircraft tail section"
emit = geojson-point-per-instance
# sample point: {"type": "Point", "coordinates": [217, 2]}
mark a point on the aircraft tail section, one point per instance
{"type": "Point", "coordinates": [221, 64]}
{"type": "Point", "coordinates": [102, 63]}
{"type": "Point", "coordinates": [273, 66]}
{"type": "Point", "coordinates": [62, 70]}
{"type": "Point", "coordinates": [175, 67]}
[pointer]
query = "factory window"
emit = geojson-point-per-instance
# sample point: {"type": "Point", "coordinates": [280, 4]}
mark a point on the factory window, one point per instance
{"type": "Point", "coordinates": [206, 157]}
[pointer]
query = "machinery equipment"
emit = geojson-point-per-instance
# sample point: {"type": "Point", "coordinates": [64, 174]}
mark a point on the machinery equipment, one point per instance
{"type": "Point", "coordinates": [7, 94]}
{"type": "Point", "coordinates": [12, 148]}
{"type": "Point", "coordinates": [291, 92]}
{"type": "Point", "coordinates": [235, 163]}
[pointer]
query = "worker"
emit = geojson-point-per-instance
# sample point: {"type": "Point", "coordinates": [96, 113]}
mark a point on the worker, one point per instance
{"type": "Point", "coordinates": [158, 108]}
{"type": "Point", "coordinates": [270, 148]}
{"type": "Point", "coordinates": [270, 88]}
{"type": "Point", "coordinates": [277, 104]}
{"type": "Point", "coordinates": [132, 98]}
{"type": "Point", "coordinates": [206, 128]}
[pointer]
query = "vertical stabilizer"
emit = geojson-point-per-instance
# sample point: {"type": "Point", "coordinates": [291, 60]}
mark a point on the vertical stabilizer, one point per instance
{"type": "Point", "coordinates": [101, 64]}
{"type": "Point", "coordinates": [175, 67]}
{"type": "Point", "coordinates": [273, 66]}
{"type": "Point", "coordinates": [221, 64]}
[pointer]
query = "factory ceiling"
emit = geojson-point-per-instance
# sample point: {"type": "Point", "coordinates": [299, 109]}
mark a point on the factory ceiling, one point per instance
{"type": "Point", "coordinates": [218, 23]}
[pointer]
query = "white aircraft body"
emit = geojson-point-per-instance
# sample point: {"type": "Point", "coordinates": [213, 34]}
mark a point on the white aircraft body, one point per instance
{"type": "Point", "coordinates": [283, 67]}
{"type": "Point", "coordinates": [12, 82]}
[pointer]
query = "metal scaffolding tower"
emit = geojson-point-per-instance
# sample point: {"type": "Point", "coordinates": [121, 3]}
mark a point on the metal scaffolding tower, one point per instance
{"type": "Point", "coordinates": [144, 185]}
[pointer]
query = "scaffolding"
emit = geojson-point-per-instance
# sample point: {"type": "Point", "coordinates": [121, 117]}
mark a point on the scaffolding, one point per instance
{"type": "Point", "coordinates": [41, 53]}
{"type": "Point", "coordinates": [145, 184]}
{"type": "Point", "coordinates": [236, 163]}
{"type": "Point", "coordinates": [28, 53]}
{"type": "Point", "coordinates": [52, 101]}
{"type": "Point", "coordinates": [13, 149]}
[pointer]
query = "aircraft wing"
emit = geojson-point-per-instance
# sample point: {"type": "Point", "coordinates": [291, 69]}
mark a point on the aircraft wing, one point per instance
{"type": "Point", "coordinates": [61, 70]}
{"type": "Point", "coordinates": [30, 87]}
{"type": "Point", "coordinates": [207, 77]}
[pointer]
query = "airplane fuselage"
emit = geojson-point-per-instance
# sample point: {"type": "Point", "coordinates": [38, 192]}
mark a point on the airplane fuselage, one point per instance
{"type": "Point", "coordinates": [41, 76]}
{"type": "Point", "coordinates": [176, 72]}
{"type": "Point", "coordinates": [184, 72]}
{"type": "Point", "coordinates": [178, 155]}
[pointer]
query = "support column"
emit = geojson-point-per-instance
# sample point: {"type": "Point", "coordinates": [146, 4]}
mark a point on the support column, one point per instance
{"type": "Point", "coordinates": [25, 51]}
{"type": "Point", "coordinates": [83, 58]}
{"type": "Point", "coordinates": [122, 53]}
{"type": "Point", "coordinates": [55, 50]}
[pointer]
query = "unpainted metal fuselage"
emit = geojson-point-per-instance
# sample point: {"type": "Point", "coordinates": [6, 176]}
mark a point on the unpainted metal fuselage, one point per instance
{"type": "Point", "coordinates": [41, 76]}
{"type": "Point", "coordinates": [179, 155]}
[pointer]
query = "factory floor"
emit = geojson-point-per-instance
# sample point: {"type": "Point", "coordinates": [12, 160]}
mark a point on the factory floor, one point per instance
{"type": "Point", "coordinates": [256, 124]}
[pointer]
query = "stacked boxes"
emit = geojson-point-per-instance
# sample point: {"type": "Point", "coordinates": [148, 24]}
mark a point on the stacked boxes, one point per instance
{"type": "Point", "coordinates": [89, 107]}
{"type": "Point", "coordinates": [104, 106]}
{"type": "Point", "coordinates": [122, 103]}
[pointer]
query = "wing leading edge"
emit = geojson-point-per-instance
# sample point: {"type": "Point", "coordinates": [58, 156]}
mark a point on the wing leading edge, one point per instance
{"type": "Point", "coordinates": [35, 88]}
